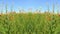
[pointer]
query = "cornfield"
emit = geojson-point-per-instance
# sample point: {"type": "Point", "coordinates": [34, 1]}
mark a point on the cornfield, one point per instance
{"type": "Point", "coordinates": [29, 23]}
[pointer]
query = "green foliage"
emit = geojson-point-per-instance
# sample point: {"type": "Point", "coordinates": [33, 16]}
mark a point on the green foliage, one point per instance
{"type": "Point", "coordinates": [29, 24]}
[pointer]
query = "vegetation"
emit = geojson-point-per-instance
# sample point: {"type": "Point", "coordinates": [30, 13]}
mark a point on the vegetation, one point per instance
{"type": "Point", "coordinates": [29, 23]}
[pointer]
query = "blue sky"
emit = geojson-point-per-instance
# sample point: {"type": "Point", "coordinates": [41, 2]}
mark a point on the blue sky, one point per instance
{"type": "Point", "coordinates": [26, 4]}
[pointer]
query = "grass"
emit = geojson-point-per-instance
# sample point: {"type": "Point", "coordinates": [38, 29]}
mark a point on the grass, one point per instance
{"type": "Point", "coordinates": [30, 23]}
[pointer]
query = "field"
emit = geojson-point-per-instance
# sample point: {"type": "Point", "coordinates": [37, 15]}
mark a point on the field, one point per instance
{"type": "Point", "coordinates": [30, 23]}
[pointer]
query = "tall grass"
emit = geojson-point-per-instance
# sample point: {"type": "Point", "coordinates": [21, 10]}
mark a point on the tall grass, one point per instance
{"type": "Point", "coordinates": [29, 24]}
